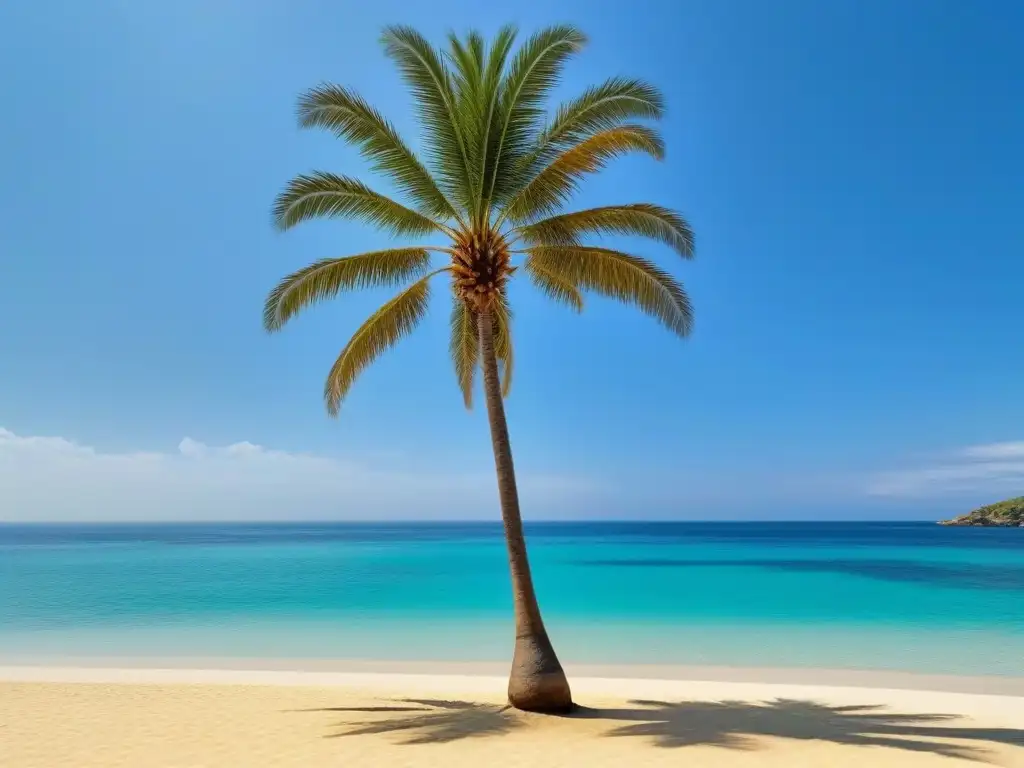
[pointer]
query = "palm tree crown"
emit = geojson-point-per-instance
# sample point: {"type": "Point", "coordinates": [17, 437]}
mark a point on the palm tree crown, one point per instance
{"type": "Point", "coordinates": [498, 170]}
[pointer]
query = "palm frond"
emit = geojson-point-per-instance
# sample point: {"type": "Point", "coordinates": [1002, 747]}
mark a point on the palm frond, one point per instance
{"type": "Point", "coordinates": [464, 347]}
{"type": "Point", "coordinates": [468, 59]}
{"type": "Point", "coordinates": [430, 80]}
{"type": "Point", "coordinates": [601, 107]}
{"type": "Point", "coordinates": [629, 279]}
{"type": "Point", "coordinates": [326, 195]}
{"type": "Point", "coordinates": [501, 318]}
{"type": "Point", "coordinates": [347, 115]}
{"type": "Point", "coordinates": [326, 278]}
{"type": "Point", "coordinates": [487, 136]}
{"type": "Point", "coordinates": [468, 62]}
{"type": "Point", "coordinates": [381, 331]}
{"type": "Point", "coordinates": [557, 182]}
{"type": "Point", "coordinates": [534, 71]}
{"type": "Point", "coordinates": [642, 219]}
{"type": "Point", "coordinates": [553, 284]}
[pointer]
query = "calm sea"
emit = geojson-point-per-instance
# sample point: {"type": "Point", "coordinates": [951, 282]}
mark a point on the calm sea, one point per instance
{"type": "Point", "coordinates": [905, 596]}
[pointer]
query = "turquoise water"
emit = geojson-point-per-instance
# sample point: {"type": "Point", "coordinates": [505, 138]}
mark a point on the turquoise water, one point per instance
{"type": "Point", "coordinates": [872, 596]}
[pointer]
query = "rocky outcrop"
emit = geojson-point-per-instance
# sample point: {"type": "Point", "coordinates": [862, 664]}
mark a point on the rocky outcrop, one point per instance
{"type": "Point", "coordinates": [1009, 513]}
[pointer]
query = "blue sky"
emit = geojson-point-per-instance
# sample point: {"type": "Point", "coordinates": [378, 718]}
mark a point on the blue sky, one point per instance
{"type": "Point", "coordinates": [852, 169]}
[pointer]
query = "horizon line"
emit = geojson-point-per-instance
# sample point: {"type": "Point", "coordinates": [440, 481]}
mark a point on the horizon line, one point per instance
{"type": "Point", "coordinates": [462, 522]}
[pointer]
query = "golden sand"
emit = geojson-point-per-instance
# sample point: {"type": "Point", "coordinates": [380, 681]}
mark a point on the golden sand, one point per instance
{"type": "Point", "coordinates": [395, 721]}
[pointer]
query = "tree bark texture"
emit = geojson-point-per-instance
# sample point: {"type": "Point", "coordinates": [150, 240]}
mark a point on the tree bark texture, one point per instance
{"type": "Point", "coordinates": [537, 682]}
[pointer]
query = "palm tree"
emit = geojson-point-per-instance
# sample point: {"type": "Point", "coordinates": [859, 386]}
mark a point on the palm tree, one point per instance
{"type": "Point", "coordinates": [497, 174]}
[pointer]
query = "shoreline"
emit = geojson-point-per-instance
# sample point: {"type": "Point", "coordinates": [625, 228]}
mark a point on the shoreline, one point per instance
{"type": "Point", "coordinates": [343, 672]}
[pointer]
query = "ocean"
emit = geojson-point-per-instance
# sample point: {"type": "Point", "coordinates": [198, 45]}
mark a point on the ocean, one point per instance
{"type": "Point", "coordinates": [874, 596]}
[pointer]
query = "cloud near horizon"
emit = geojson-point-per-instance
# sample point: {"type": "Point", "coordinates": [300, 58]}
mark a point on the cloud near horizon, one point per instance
{"type": "Point", "coordinates": [993, 468]}
{"type": "Point", "coordinates": [56, 479]}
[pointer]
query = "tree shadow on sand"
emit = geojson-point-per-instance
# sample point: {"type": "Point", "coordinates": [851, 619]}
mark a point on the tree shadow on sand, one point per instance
{"type": "Point", "coordinates": [736, 725]}
{"type": "Point", "coordinates": [430, 721]}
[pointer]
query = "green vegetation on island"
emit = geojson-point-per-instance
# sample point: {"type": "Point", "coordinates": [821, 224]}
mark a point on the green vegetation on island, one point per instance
{"type": "Point", "coordinates": [1008, 513]}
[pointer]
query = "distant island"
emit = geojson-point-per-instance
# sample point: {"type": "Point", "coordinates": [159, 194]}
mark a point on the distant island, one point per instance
{"type": "Point", "coordinates": [1008, 513]}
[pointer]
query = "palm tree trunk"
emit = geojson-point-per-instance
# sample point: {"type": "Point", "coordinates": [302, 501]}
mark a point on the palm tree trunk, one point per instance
{"type": "Point", "coordinates": [537, 682]}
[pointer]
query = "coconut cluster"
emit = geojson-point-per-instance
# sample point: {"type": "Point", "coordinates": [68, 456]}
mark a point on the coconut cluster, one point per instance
{"type": "Point", "coordinates": [481, 267]}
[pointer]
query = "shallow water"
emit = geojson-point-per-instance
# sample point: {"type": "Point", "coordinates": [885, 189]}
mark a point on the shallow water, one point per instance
{"type": "Point", "coordinates": [909, 596]}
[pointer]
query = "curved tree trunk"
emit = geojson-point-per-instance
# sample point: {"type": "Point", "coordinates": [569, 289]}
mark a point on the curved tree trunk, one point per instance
{"type": "Point", "coordinates": [537, 682]}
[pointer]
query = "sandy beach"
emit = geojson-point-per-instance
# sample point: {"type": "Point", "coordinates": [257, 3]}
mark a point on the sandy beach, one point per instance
{"type": "Point", "coordinates": [190, 718]}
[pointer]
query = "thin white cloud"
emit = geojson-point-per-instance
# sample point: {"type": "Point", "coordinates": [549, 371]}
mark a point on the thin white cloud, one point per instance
{"type": "Point", "coordinates": [996, 451]}
{"type": "Point", "coordinates": [53, 478]}
{"type": "Point", "coordinates": [994, 468]}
